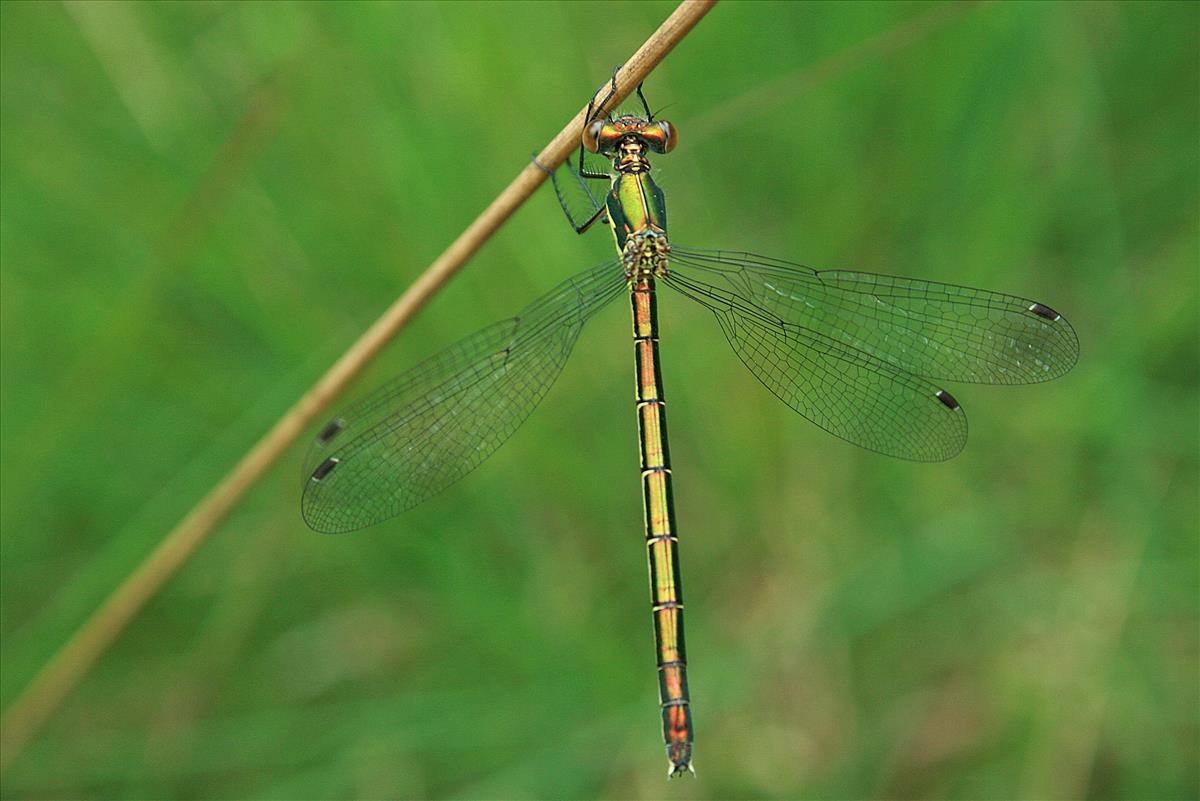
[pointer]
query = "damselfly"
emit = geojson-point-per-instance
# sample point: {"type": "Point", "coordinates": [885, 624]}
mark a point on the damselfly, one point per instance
{"type": "Point", "coordinates": [855, 353]}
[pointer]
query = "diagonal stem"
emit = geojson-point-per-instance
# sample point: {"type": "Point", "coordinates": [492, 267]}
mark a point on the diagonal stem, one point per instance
{"type": "Point", "coordinates": [70, 664]}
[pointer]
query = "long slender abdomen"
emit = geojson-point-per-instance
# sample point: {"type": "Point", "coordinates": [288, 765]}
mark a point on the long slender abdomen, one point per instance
{"type": "Point", "coordinates": [662, 545]}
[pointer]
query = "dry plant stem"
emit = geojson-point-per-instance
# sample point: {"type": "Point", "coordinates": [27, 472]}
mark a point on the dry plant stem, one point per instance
{"type": "Point", "coordinates": [64, 671]}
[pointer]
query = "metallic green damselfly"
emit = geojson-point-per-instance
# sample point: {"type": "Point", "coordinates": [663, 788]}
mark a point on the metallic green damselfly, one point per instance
{"type": "Point", "coordinates": [856, 353]}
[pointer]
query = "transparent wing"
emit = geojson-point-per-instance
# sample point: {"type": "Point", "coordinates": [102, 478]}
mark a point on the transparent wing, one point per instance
{"type": "Point", "coordinates": [433, 424]}
{"type": "Point", "coordinates": [940, 331]}
{"type": "Point", "coordinates": [846, 391]}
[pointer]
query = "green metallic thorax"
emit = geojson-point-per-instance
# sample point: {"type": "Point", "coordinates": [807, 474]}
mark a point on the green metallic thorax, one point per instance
{"type": "Point", "coordinates": [635, 204]}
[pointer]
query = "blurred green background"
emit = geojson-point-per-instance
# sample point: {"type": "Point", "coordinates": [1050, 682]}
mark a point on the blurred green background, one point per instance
{"type": "Point", "coordinates": [203, 204]}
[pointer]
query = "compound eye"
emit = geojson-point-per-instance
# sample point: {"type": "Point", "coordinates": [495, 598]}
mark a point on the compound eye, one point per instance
{"type": "Point", "coordinates": [591, 132]}
{"type": "Point", "coordinates": [667, 137]}
{"type": "Point", "coordinates": [671, 135]}
{"type": "Point", "coordinates": [659, 136]}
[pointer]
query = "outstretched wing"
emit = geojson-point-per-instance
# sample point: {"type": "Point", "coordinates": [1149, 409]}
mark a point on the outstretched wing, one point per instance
{"type": "Point", "coordinates": [846, 391]}
{"type": "Point", "coordinates": [925, 328]}
{"type": "Point", "coordinates": [433, 424]}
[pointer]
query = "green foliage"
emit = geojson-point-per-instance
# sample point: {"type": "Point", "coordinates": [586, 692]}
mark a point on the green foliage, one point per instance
{"type": "Point", "coordinates": [202, 204]}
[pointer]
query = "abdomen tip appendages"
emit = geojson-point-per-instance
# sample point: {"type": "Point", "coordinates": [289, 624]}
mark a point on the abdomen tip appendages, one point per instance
{"type": "Point", "coordinates": [680, 755]}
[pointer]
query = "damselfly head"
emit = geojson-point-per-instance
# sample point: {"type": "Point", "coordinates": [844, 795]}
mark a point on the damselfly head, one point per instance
{"type": "Point", "coordinates": [605, 136]}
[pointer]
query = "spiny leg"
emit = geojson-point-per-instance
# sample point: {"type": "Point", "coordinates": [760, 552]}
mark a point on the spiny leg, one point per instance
{"type": "Point", "coordinates": [645, 105]}
{"type": "Point", "coordinates": [592, 115]}
{"type": "Point", "coordinates": [581, 223]}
